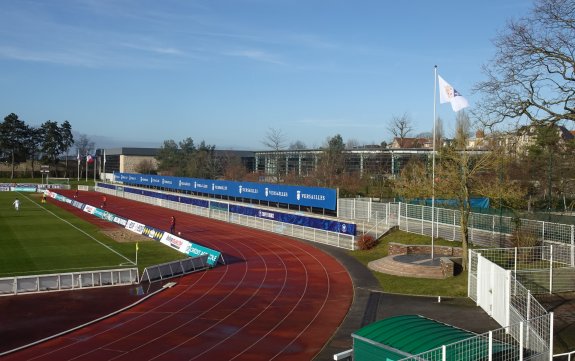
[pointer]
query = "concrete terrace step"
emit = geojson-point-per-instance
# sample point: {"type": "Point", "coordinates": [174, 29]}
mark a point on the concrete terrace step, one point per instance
{"type": "Point", "coordinates": [390, 266]}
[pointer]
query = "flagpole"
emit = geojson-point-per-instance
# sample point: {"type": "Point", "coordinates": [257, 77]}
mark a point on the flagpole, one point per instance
{"type": "Point", "coordinates": [104, 166]}
{"type": "Point", "coordinates": [78, 161]}
{"type": "Point", "coordinates": [87, 167]}
{"type": "Point", "coordinates": [433, 161]}
{"type": "Point", "coordinates": [95, 161]}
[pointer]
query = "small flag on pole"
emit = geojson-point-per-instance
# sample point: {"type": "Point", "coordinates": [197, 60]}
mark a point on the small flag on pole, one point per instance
{"type": "Point", "coordinates": [448, 94]}
{"type": "Point", "coordinates": [89, 158]}
{"type": "Point", "coordinates": [78, 157]}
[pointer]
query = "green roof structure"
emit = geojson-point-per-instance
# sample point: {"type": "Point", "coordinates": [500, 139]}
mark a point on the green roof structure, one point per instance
{"type": "Point", "coordinates": [404, 336]}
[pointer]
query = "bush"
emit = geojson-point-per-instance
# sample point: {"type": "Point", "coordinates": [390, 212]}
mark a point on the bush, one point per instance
{"type": "Point", "coordinates": [366, 241]}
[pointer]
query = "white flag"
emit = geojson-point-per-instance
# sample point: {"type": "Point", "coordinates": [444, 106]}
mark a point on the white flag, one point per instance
{"type": "Point", "coordinates": [448, 94]}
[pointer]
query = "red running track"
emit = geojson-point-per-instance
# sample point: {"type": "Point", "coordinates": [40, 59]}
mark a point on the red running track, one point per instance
{"type": "Point", "coordinates": [278, 299]}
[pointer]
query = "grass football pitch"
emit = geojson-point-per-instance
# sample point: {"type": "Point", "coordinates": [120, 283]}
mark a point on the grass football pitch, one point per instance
{"type": "Point", "coordinates": [43, 238]}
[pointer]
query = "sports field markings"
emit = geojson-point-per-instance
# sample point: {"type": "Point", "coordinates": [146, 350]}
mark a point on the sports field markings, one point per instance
{"type": "Point", "coordinates": [81, 230]}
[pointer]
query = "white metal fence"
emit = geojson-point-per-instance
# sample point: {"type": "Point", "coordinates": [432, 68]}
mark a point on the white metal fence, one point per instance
{"type": "Point", "coordinates": [496, 279]}
{"type": "Point", "coordinates": [373, 218]}
{"type": "Point", "coordinates": [542, 269]}
{"type": "Point", "coordinates": [311, 234]}
{"type": "Point", "coordinates": [484, 229]}
{"type": "Point", "coordinates": [67, 281]}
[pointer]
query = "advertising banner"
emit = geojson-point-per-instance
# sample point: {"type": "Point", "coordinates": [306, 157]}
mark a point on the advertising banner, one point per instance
{"type": "Point", "coordinates": [153, 233]}
{"type": "Point", "coordinates": [89, 209]}
{"type": "Point", "coordinates": [189, 248]}
{"type": "Point", "coordinates": [166, 238]}
{"type": "Point", "coordinates": [294, 195]}
{"type": "Point", "coordinates": [197, 250]}
{"type": "Point", "coordinates": [135, 226]}
{"type": "Point", "coordinates": [175, 242]}
{"type": "Point", "coordinates": [317, 223]}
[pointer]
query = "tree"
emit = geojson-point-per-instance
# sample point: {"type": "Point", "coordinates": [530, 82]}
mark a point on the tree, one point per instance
{"type": "Point", "coordinates": [67, 140]}
{"type": "Point", "coordinates": [297, 145]}
{"type": "Point", "coordinates": [233, 169]}
{"type": "Point", "coordinates": [331, 161]}
{"type": "Point", "coordinates": [146, 166]}
{"type": "Point", "coordinates": [275, 140]}
{"type": "Point", "coordinates": [33, 145]}
{"type": "Point", "coordinates": [352, 144]}
{"type": "Point", "coordinates": [400, 127]}
{"type": "Point", "coordinates": [459, 175]}
{"type": "Point", "coordinates": [184, 159]}
{"type": "Point", "coordinates": [52, 142]}
{"type": "Point", "coordinates": [546, 165]}
{"type": "Point", "coordinates": [207, 164]}
{"type": "Point", "coordinates": [439, 132]}
{"type": "Point", "coordinates": [168, 157]}
{"type": "Point", "coordinates": [532, 75]}
{"type": "Point", "coordinates": [13, 133]}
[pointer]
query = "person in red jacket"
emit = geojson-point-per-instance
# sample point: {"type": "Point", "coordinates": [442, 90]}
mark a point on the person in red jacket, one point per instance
{"type": "Point", "coordinates": [173, 225]}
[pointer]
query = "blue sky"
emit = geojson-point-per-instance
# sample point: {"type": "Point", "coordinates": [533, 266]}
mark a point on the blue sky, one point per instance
{"type": "Point", "coordinates": [138, 72]}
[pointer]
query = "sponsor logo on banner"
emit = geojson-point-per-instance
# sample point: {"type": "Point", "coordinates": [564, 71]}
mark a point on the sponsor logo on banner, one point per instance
{"type": "Point", "coordinates": [89, 209]}
{"type": "Point", "coordinates": [265, 214]}
{"type": "Point", "coordinates": [197, 250]}
{"type": "Point", "coordinates": [78, 205]}
{"type": "Point", "coordinates": [176, 242]}
{"type": "Point", "coordinates": [243, 189]}
{"type": "Point", "coordinates": [276, 193]}
{"type": "Point", "coordinates": [298, 195]}
{"type": "Point", "coordinates": [119, 220]}
{"type": "Point", "coordinates": [153, 233]}
{"type": "Point", "coordinates": [220, 187]}
{"type": "Point", "coordinates": [135, 226]}
{"type": "Point", "coordinates": [315, 197]}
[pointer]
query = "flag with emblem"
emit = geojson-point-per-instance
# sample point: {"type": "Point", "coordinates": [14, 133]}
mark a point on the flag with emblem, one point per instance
{"type": "Point", "coordinates": [448, 94]}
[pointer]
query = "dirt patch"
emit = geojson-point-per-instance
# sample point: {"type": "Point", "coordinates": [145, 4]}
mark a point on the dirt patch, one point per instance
{"type": "Point", "coordinates": [123, 235]}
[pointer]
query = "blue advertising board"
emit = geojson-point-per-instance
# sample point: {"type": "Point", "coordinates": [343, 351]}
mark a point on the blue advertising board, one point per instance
{"type": "Point", "coordinates": [300, 220]}
{"type": "Point", "coordinates": [295, 195]}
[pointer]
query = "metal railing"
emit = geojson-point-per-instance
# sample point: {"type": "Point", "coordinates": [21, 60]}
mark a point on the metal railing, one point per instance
{"type": "Point", "coordinates": [67, 281]}
{"type": "Point", "coordinates": [519, 341]}
{"type": "Point", "coordinates": [172, 269]}
{"type": "Point", "coordinates": [484, 229]}
{"type": "Point", "coordinates": [292, 230]}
